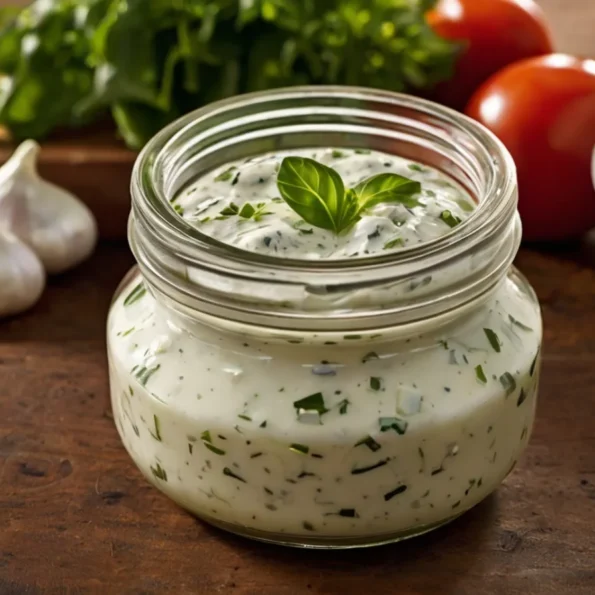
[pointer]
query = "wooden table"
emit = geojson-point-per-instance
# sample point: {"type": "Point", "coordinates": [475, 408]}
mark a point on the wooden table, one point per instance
{"type": "Point", "coordinates": [77, 517]}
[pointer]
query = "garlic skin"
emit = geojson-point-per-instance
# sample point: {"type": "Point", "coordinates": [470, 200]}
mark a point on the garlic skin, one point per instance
{"type": "Point", "coordinates": [22, 276]}
{"type": "Point", "coordinates": [58, 227]}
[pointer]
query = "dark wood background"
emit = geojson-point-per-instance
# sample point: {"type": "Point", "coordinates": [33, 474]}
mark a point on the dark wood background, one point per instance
{"type": "Point", "coordinates": [77, 517]}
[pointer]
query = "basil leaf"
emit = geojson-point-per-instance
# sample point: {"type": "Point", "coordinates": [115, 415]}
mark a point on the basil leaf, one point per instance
{"type": "Point", "coordinates": [316, 193]}
{"type": "Point", "coordinates": [387, 188]}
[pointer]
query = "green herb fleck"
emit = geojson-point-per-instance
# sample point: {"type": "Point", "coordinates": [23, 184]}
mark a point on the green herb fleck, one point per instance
{"type": "Point", "coordinates": [370, 443]}
{"type": "Point", "coordinates": [230, 210]}
{"type": "Point", "coordinates": [126, 333]}
{"type": "Point", "coordinates": [207, 441]}
{"type": "Point", "coordinates": [398, 490]}
{"type": "Point", "coordinates": [450, 219]}
{"type": "Point", "coordinates": [522, 398]}
{"type": "Point", "coordinates": [343, 406]}
{"type": "Point", "coordinates": [360, 470]}
{"type": "Point", "coordinates": [393, 243]}
{"type": "Point", "coordinates": [508, 383]}
{"type": "Point", "coordinates": [519, 324]}
{"type": "Point", "coordinates": [362, 151]}
{"type": "Point", "coordinates": [393, 423]}
{"type": "Point", "coordinates": [299, 448]}
{"type": "Point", "coordinates": [352, 337]}
{"type": "Point", "coordinates": [480, 375]}
{"type": "Point", "coordinates": [157, 434]}
{"type": "Point", "coordinates": [227, 471]}
{"type": "Point", "coordinates": [263, 424]}
{"type": "Point", "coordinates": [350, 513]}
{"type": "Point", "coordinates": [493, 339]}
{"type": "Point", "coordinates": [136, 294]}
{"type": "Point", "coordinates": [369, 356]}
{"type": "Point", "coordinates": [226, 175]}
{"type": "Point", "coordinates": [245, 417]}
{"type": "Point", "coordinates": [533, 364]}
{"type": "Point", "coordinates": [313, 402]}
{"type": "Point", "coordinates": [337, 154]}
{"type": "Point", "coordinates": [375, 383]}
{"type": "Point", "coordinates": [308, 526]}
{"type": "Point", "coordinates": [143, 374]}
{"type": "Point", "coordinates": [159, 472]}
{"type": "Point", "coordinates": [416, 167]}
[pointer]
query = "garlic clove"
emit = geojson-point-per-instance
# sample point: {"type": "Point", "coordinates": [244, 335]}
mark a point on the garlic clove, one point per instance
{"type": "Point", "coordinates": [53, 222]}
{"type": "Point", "coordinates": [22, 277]}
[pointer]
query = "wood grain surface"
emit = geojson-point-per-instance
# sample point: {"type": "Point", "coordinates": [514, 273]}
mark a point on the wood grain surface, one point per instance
{"type": "Point", "coordinates": [77, 517]}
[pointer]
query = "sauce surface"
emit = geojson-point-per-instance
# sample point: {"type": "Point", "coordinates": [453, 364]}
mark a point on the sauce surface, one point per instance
{"type": "Point", "coordinates": [275, 229]}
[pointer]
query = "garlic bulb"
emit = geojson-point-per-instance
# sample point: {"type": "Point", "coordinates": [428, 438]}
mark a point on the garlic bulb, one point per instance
{"type": "Point", "coordinates": [55, 224]}
{"type": "Point", "coordinates": [22, 277]}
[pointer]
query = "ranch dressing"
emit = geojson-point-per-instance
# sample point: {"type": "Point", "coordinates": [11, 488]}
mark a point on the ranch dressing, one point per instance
{"type": "Point", "coordinates": [364, 438]}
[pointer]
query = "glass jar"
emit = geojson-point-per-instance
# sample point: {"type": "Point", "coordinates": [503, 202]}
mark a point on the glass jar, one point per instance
{"type": "Point", "coordinates": [336, 403]}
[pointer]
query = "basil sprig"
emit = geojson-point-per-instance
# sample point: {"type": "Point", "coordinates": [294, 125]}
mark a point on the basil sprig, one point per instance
{"type": "Point", "coordinates": [318, 195]}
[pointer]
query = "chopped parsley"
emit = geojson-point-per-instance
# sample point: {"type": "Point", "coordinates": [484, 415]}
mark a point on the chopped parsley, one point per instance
{"type": "Point", "coordinates": [143, 373]}
{"type": "Point", "coordinates": [393, 423]}
{"type": "Point", "coordinates": [227, 471]}
{"type": "Point", "coordinates": [208, 442]}
{"type": "Point", "coordinates": [360, 470]}
{"type": "Point", "coordinates": [480, 375]}
{"type": "Point", "coordinates": [157, 434]}
{"type": "Point", "coordinates": [450, 219]}
{"type": "Point", "coordinates": [375, 383]}
{"type": "Point", "coordinates": [369, 442]}
{"type": "Point", "coordinates": [398, 490]}
{"type": "Point", "coordinates": [336, 154]}
{"type": "Point", "coordinates": [350, 513]}
{"type": "Point", "coordinates": [299, 448]}
{"type": "Point", "coordinates": [522, 398]}
{"type": "Point", "coordinates": [508, 383]}
{"type": "Point", "coordinates": [136, 294]}
{"type": "Point", "coordinates": [493, 339]}
{"type": "Point", "coordinates": [310, 403]}
{"type": "Point", "coordinates": [226, 175]}
{"type": "Point", "coordinates": [159, 472]}
{"type": "Point", "coordinates": [393, 243]}
{"type": "Point", "coordinates": [533, 364]}
{"type": "Point", "coordinates": [519, 324]}
{"type": "Point", "coordinates": [369, 356]}
{"type": "Point", "coordinates": [343, 405]}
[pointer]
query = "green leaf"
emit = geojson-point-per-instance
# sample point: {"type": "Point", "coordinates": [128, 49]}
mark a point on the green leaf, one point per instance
{"type": "Point", "coordinates": [316, 193]}
{"type": "Point", "coordinates": [387, 188]}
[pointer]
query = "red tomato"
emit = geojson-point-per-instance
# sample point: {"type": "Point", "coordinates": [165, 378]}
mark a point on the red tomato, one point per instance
{"type": "Point", "coordinates": [543, 110]}
{"type": "Point", "coordinates": [495, 33]}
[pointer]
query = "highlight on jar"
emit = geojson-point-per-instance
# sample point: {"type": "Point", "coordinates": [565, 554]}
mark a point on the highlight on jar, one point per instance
{"type": "Point", "coordinates": [325, 342]}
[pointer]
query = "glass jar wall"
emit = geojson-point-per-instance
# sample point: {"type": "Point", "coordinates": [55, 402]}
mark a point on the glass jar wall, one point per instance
{"type": "Point", "coordinates": [335, 403]}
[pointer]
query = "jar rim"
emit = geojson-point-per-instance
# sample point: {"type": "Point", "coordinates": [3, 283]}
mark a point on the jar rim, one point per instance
{"type": "Point", "coordinates": [187, 266]}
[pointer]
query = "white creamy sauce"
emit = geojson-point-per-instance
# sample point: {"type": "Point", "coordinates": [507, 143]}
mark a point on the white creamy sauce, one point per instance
{"type": "Point", "coordinates": [395, 434]}
{"type": "Point", "coordinates": [279, 231]}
